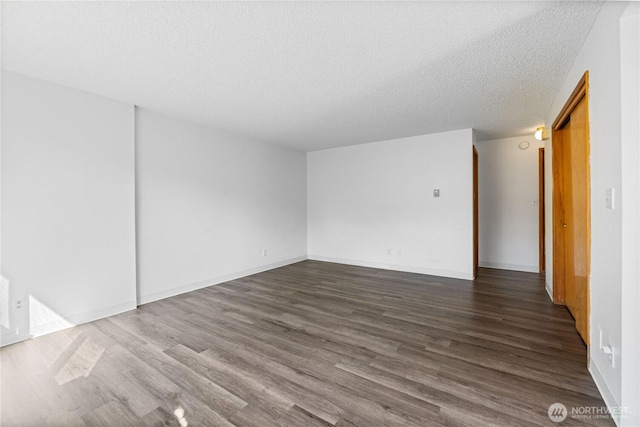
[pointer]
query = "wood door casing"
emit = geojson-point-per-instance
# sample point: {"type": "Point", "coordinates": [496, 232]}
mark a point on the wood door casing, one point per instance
{"type": "Point", "coordinates": [475, 212]}
{"type": "Point", "coordinates": [541, 213]}
{"type": "Point", "coordinates": [571, 208]}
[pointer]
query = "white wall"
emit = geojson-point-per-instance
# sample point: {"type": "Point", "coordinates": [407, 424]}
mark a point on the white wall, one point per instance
{"type": "Point", "coordinates": [600, 55]}
{"type": "Point", "coordinates": [68, 248]}
{"type": "Point", "coordinates": [372, 204]}
{"type": "Point", "coordinates": [630, 133]}
{"type": "Point", "coordinates": [508, 204]}
{"type": "Point", "coordinates": [208, 203]}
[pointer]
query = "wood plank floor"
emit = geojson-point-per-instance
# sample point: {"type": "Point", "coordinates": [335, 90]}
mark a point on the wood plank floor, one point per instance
{"type": "Point", "coordinates": [312, 344]}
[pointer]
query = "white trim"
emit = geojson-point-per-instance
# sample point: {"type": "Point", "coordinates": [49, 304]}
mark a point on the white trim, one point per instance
{"type": "Point", "coordinates": [145, 299]}
{"type": "Point", "coordinates": [549, 290]}
{"type": "Point", "coordinates": [604, 390]}
{"type": "Point", "coordinates": [10, 337]}
{"type": "Point", "coordinates": [513, 267]}
{"type": "Point", "coordinates": [395, 267]}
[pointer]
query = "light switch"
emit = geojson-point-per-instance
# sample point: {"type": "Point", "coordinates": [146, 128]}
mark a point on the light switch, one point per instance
{"type": "Point", "coordinates": [610, 198]}
{"type": "Point", "coordinates": [436, 193]}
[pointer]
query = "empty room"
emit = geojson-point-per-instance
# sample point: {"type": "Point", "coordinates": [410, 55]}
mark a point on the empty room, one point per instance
{"type": "Point", "coordinates": [317, 213]}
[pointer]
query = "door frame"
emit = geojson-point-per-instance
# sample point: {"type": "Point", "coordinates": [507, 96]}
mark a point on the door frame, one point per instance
{"type": "Point", "coordinates": [542, 262]}
{"type": "Point", "coordinates": [475, 213]}
{"type": "Point", "coordinates": [581, 91]}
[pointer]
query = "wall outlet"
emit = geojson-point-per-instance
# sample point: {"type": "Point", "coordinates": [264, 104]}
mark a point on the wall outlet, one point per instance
{"type": "Point", "coordinates": [610, 196]}
{"type": "Point", "coordinates": [264, 252]}
{"type": "Point", "coordinates": [388, 251]}
{"type": "Point", "coordinates": [612, 356]}
{"type": "Point", "coordinates": [609, 350]}
{"type": "Point", "coordinates": [436, 192]}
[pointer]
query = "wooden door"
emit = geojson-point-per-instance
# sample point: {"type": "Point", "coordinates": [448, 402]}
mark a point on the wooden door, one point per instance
{"type": "Point", "coordinates": [475, 212]}
{"type": "Point", "coordinates": [567, 220]}
{"type": "Point", "coordinates": [577, 219]}
{"type": "Point", "coordinates": [571, 208]}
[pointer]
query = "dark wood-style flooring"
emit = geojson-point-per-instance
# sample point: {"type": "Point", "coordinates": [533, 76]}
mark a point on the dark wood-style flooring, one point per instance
{"type": "Point", "coordinates": [312, 344]}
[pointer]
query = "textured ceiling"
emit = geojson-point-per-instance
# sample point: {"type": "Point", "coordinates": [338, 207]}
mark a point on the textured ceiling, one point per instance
{"type": "Point", "coordinates": [310, 75]}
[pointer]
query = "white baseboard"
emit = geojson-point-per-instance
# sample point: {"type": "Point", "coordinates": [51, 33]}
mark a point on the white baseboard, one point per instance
{"type": "Point", "coordinates": [12, 337]}
{"type": "Point", "coordinates": [514, 267]}
{"type": "Point", "coordinates": [395, 267]}
{"type": "Point", "coordinates": [604, 390]}
{"type": "Point", "coordinates": [144, 299]}
{"type": "Point", "coordinates": [31, 331]}
{"type": "Point", "coordinates": [547, 287]}
{"type": "Point", "coordinates": [16, 335]}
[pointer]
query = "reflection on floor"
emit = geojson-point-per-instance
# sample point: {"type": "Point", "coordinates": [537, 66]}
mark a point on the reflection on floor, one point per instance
{"type": "Point", "coordinates": [312, 344]}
